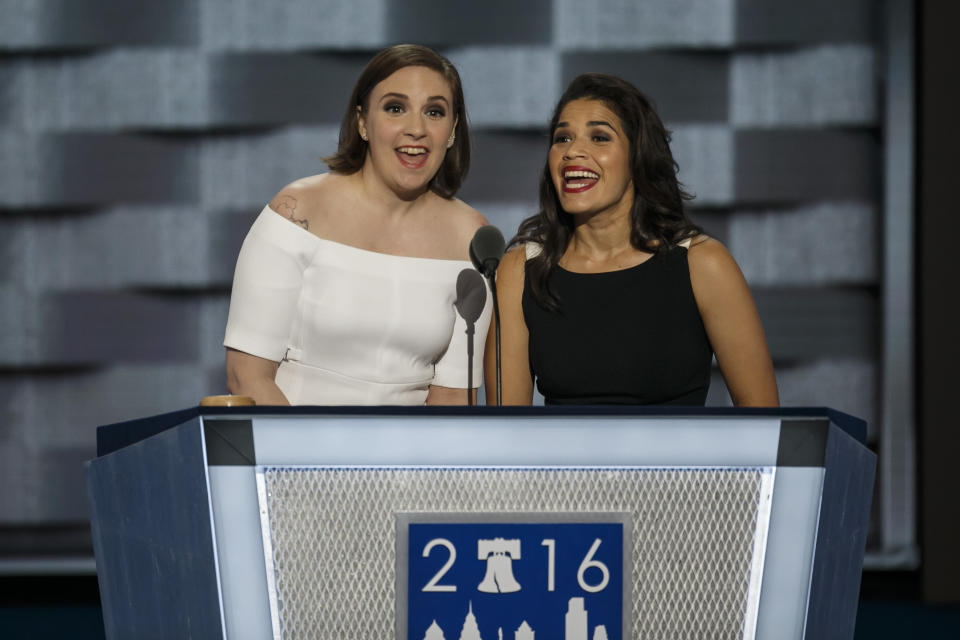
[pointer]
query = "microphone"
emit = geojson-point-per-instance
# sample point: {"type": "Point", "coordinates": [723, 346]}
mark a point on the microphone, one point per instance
{"type": "Point", "coordinates": [471, 297]}
{"type": "Point", "coordinates": [486, 249]}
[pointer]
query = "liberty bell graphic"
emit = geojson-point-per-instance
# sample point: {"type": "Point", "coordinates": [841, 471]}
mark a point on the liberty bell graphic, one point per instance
{"type": "Point", "coordinates": [499, 554]}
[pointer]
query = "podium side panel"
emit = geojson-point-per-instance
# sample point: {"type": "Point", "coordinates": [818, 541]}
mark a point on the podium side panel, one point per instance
{"type": "Point", "coordinates": [151, 526]}
{"type": "Point", "coordinates": [841, 537]}
{"type": "Point", "coordinates": [243, 579]}
{"type": "Point", "coordinates": [789, 553]}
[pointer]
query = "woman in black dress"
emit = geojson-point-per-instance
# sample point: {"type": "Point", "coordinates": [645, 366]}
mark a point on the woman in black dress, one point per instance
{"type": "Point", "coordinates": [611, 294]}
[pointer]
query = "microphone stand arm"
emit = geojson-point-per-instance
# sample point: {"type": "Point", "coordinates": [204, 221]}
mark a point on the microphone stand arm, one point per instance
{"type": "Point", "coordinates": [496, 328]}
{"type": "Point", "coordinates": [491, 273]}
{"type": "Point", "coordinates": [470, 332]}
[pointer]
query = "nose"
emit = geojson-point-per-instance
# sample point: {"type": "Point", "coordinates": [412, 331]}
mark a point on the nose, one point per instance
{"type": "Point", "coordinates": [415, 127]}
{"type": "Point", "coordinates": [573, 150]}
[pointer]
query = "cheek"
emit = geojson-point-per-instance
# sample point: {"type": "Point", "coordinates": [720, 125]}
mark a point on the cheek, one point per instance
{"type": "Point", "coordinates": [383, 130]}
{"type": "Point", "coordinates": [441, 132]}
{"type": "Point", "coordinates": [553, 160]}
{"type": "Point", "coordinates": [616, 166]}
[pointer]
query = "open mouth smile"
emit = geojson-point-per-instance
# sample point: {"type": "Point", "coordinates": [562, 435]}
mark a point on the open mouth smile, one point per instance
{"type": "Point", "coordinates": [579, 179]}
{"type": "Point", "coordinates": [412, 157]}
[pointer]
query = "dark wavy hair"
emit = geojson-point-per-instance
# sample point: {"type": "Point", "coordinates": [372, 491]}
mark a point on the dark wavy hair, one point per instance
{"type": "Point", "coordinates": [352, 149]}
{"type": "Point", "coordinates": [658, 219]}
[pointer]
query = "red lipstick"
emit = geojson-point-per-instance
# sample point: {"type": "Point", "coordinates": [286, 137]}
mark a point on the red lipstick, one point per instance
{"type": "Point", "coordinates": [577, 179]}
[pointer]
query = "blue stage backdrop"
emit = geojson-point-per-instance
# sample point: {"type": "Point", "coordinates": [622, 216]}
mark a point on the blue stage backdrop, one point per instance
{"type": "Point", "coordinates": [138, 142]}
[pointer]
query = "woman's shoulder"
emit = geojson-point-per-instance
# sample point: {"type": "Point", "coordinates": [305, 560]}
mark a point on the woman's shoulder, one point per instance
{"type": "Point", "coordinates": [709, 260]}
{"type": "Point", "coordinates": [310, 187]}
{"type": "Point", "coordinates": [461, 214]}
{"type": "Point", "coordinates": [457, 219]}
{"type": "Point", "coordinates": [703, 247]}
{"type": "Point", "coordinates": [513, 266]}
{"type": "Point", "coordinates": [304, 201]}
{"type": "Point", "coordinates": [523, 253]}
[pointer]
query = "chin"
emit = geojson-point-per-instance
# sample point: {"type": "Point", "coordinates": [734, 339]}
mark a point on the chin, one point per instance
{"type": "Point", "coordinates": [575, 207]}
{"type": "Point", "coordinates": [412, 186]}
{"type": "Point", "coordinates": [419, 176]}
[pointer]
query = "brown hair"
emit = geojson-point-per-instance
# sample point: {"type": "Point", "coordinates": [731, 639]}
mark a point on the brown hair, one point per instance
{"type": "Point", "coordinates": [352, 149]}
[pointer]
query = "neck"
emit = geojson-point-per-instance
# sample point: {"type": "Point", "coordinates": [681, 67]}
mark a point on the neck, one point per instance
{"type": "Point", "coordinates": [603, 234]}
{"type": "Point", "coordinates": [390, 201]}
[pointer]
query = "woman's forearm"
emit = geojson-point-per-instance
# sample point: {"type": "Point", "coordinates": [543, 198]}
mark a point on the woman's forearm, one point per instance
{"type": "Point", "coordinates": [251, 376]}
{"type": "Point", "coordinates": [438, 395]}
{"type": "Point", "coordinates": [263, 391]}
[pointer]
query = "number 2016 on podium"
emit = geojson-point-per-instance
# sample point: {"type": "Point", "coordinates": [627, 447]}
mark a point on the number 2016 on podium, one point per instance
{"type": "Point", "coordinates": [513, 576]}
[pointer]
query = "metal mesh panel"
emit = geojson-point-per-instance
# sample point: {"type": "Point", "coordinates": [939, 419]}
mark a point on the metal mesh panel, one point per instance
{"type": "Point", "coordinates": [332, 532]}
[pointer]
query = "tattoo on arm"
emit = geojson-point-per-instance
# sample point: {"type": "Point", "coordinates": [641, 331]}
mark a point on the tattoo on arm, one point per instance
{"type": "Point", "coordinates": [287, 206]}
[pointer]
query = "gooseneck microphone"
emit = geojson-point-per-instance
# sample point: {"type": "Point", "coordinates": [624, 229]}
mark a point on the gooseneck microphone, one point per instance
{"type": "Point", "coordinates": [486, 250]}
{"type": "Point", "coordinates": [471, 296]}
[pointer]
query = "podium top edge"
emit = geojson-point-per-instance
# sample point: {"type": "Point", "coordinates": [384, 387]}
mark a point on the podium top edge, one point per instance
{"type": "Point", "coordinates": [112, 437]}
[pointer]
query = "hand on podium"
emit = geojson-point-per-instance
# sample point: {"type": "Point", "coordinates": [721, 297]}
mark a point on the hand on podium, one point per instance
{"type": "Point", "coordinates": [227, 401]}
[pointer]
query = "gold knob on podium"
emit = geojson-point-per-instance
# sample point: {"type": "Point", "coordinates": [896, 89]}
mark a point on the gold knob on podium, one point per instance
{"type": "Point", "coordinates": [227, 401]}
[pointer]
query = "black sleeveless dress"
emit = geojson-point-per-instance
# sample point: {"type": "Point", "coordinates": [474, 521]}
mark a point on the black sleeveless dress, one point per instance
{"type": "Point", "coordinates": [623, 337]}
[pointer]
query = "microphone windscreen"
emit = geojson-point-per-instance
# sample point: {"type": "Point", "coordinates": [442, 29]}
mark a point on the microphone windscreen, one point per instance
{"type": "Point", "coordinates": [471, 295]}
{"type": "Point", "coordinates": [486, 249]}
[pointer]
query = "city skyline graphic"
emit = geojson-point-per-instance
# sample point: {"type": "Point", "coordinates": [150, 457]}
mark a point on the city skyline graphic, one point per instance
{"type": "Point", "coordinates": [576, 626]}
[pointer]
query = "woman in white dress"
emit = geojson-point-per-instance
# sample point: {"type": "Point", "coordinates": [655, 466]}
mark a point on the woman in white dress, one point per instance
{"type": "Point", "coordinates": [345, 286]}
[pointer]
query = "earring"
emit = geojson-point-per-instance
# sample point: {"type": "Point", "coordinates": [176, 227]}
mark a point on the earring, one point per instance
{"type": "Point", "coordinates": [363, 134]}
{"type": "Point", "coordinates": [450, 142]}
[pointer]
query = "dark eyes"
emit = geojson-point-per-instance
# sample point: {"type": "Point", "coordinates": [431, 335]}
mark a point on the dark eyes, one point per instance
{"type": "Point", "coordinates": [561, 138]}
{"type": "Point", "coordinates": [397, 108]}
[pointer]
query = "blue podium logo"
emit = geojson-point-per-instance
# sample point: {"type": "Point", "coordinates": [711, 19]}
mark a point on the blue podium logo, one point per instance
{"type": "Point", "coordinates": [512, 576]}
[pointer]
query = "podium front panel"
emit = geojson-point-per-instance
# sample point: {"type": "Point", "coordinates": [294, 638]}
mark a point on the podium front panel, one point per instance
{"type": "Point", "coordinates": [697, 538]}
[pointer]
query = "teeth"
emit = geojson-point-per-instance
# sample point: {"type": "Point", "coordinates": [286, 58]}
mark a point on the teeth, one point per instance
{"type": "Point", "coordinates": [412, 151]}
{"type": "Point", "coordinates": [567, 175]}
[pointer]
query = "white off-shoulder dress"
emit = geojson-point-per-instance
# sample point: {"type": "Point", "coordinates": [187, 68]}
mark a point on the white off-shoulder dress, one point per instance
{"type": "Point", "coordinates": [349, 326]}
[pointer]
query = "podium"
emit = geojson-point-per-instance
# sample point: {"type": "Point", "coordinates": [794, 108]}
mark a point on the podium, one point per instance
{"type": "Point", "coordinates": [325, 522]}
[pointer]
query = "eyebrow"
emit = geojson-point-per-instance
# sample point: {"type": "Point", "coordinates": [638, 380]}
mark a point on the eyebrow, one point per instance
{"type": "Point", "coordinates": [404, 96]}
{"type": "Point", "coordinates": [592, 123]}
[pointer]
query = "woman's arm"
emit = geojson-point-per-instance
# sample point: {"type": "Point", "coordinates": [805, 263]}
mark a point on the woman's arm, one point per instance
{"type": "Point", "coordinates": [253, 376]}
{"type": "Point", "coordinates": [733, 325]}
{"type": "Point", "coordinates": [263, 304]}
{"type": "Point", "coordinates": [516, 381]}
{"type": "Point", "coordinates": [438, 395]}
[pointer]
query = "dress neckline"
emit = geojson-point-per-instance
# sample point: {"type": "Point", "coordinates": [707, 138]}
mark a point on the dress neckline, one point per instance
{"type": "Point", "coordinates": [349, 247]}
{"type": "Point", "coordinates": [607, 273]}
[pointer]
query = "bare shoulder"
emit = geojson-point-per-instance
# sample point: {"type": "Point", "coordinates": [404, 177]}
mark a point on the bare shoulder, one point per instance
{"type": "Point", "coordinates": [300, 192]}
{"type": "Point", "coordinates": [512, 265]}
{"type": "Point", "coordinates": [714, 274]}
{"type": "Point", "coordinates": [303, 201]}
{"type": "Point", "coordinates": [709, 258]}
{"type": "Point", "coordinates": [517, 256]}
{"type": "Point", "coordinates": [456, 220]}
{"type": "Point", "coordinates": [466, 219]}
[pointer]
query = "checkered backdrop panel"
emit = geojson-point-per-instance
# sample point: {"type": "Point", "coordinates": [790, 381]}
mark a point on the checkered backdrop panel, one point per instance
{"type": "Point", "coordinates": [137, 143]}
